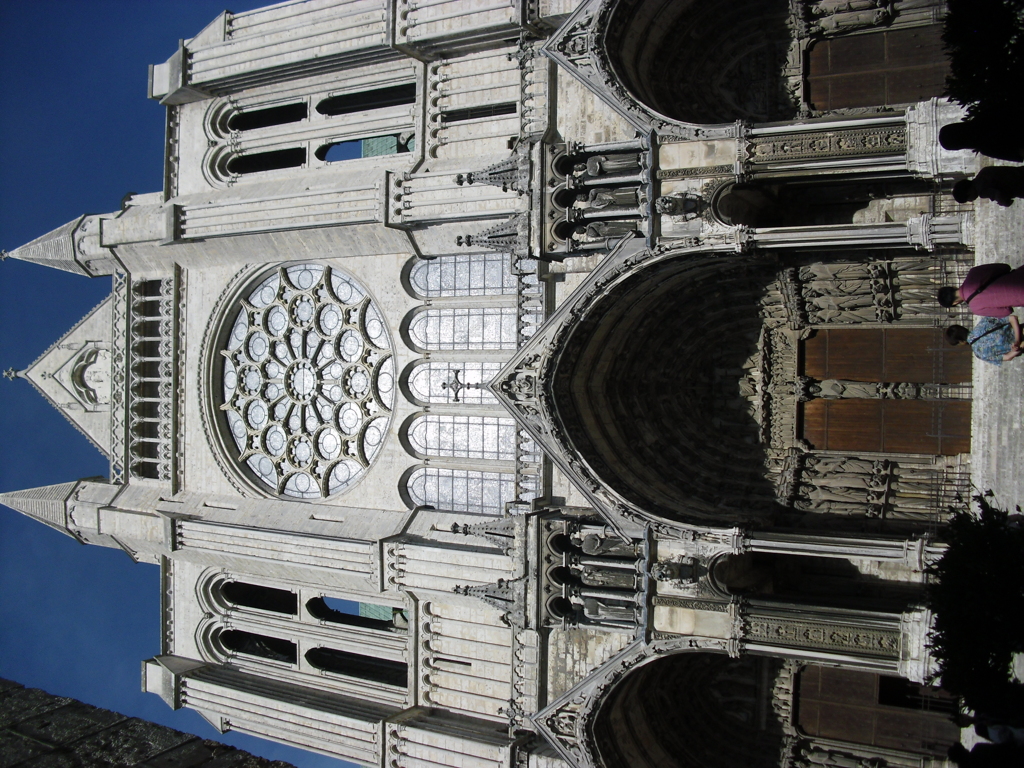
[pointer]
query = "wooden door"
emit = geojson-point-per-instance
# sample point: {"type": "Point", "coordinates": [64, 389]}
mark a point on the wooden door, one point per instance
{"type": "Point", "coordinates": [913, 355]}
{"type": "Point", "coordinates": [934, 427]}
{"type": "Point", "coordinates": [877, 711]}
{"type": "Point", "coordinates": [897, 66]}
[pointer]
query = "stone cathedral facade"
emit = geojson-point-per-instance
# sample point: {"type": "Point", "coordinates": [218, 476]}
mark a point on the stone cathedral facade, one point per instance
{"type": "Point", "coordinates": [590, 349]}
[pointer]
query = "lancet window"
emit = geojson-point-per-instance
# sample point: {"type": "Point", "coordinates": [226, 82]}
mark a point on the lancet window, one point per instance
{"type": "Point", "coordinates": [465, 329]}
{"type": "Point", "coordinates": [463, 437]}
{"type": "Point", "coordinates": [261, 646]}
{"type": "Point", "coordinates": [260, 597]}
{"type": "Point", "coordinates": [282, 114]}
{"type": "Point", "coordinates": [475, 274]}
{"type": "Point", "coordinates": [353, 614]}
{"type": "Point", "coordinates": [356, 665]}
{"type": "Point", "coordinates": [462, 490]}
{"type": "Point", "coordinates": [445, 383]}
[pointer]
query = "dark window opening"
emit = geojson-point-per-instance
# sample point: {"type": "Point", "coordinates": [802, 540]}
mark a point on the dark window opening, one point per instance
{"type": "Point", "coordinates": [146, 469]}
{"type": "Point", "coordinates": [145, 449]}
{"type": "Point", "coordinates": [897, 692]}
{"type": "Point", "coordinates": [354, 614]}
{"type": "Point", "coordinates": [261, 598]}
{"type": "Point", "coordinates": [149, 349]}
{"type": "Point", "coordinates": [259, 645]}
{"type": "Point", "coordinates": [394, 96]}
{"type": "Point", "coordinates": [363, 667]}
{"type": "Point", "coordinates": [147, 289]}
{"type": "Point", "coordinates": [146, 410]}
{"type": "Point", "coordinates": [149, 390]}
{"type": "Point", "coordinates": [148, 329]}
{"type": "Point", "coordinates": [264, 118]}
{"type": "Point", "coordinates": [267, 161]}
{"type": "Point", "coordinates": [472, 113]}
{"type": "Point", "coordinates": [147, 369]}
{"type": "Point", "coordinates": [147, 429]}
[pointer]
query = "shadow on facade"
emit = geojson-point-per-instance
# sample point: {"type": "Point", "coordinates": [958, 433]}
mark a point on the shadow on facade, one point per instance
{"type": "Point", "coordinates": [710, 62]}
{"type": "Point", "coordinates": [692, 709]}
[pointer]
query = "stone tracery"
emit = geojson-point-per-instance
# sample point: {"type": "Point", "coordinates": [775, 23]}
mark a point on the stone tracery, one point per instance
{"type": "Point", "coordinates": [308, 381]}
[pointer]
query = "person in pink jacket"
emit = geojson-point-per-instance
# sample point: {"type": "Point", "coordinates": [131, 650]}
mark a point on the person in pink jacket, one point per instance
{"type": "Point", "coordinates": [991, 290]}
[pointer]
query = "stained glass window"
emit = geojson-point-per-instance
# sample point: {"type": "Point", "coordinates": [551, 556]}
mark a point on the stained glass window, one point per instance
{"type": "Point", "coordinates": [472, 274]}
{"type": "Point", "coordinates": [465, 328]}
{"type": "Point", "coordinates": [464, 437]}
{"type": "Point", "coordinates": [308, 381]}
{"type": "Point", "coordinates": [462, 490]}
{"type": "Point", "coordinates": [453, 382]}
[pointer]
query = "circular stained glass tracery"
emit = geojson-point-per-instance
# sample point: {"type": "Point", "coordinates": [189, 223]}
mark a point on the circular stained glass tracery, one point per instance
{"type": "Point", "coordinates": [309, 381]}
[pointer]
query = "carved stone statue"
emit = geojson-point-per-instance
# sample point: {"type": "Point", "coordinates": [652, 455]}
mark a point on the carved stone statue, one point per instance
{"type": "Point", "coordinates": [602, 197]}
{"type": "Point", "coordinates": [612, 578]}
{"type": "Point", "coordinates": [595, 545]}
{"type": "Point", "coordinates": [678, 572]}
{"type": "Point", "coordinates": [596, 609]}
{"type": "Point", "coordinates": [684, 204]}
{"type": "Point", "coordinates": [602, 229]}
{"type": "Point", "coordinates": [599, 165]}
{"type": "Point", "coordinates": [831, 17]}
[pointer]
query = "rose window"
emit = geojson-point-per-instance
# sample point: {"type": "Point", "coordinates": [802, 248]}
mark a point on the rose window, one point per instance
{"type": "Point", "coordinates": [309, 381]}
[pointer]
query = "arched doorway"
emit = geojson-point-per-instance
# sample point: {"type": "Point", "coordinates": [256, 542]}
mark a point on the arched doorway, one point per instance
{"type": "Point", "coordinates": [692, 710]}
{"type": "Point", "coordinates": [649, 389]}
{"type": "Point", "coordinates": [722, 389]}
{"type": "Point", "coordinates": [703, 62]}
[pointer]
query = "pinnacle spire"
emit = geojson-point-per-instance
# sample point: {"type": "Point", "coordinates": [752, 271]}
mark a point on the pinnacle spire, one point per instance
{"type": "Point", "coordinates": [54, 249]}
{"type": "Point", "coordinates": [47, 504]}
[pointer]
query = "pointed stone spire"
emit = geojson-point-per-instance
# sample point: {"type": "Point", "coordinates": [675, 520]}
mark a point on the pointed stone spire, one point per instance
{"type": "Point", "coordinates": [47, 504]}
{"type": "Point", "coordinates": [54, 249]}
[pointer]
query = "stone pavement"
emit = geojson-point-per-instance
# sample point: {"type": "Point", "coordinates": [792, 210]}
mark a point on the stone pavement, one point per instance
{"type": "Point", "coordinates": [997, 445]}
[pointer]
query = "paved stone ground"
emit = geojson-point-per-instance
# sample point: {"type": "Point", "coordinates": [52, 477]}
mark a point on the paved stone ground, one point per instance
{"type": "Point", "coordinates": [997, 444]}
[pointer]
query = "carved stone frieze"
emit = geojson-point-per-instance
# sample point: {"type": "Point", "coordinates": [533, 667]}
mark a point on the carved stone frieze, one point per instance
{"type": "Point", "coordinates": [703, 171]}
{"type": "Point", "coordinates": [824, 634]}
{"type": "Point", "coordinates": [806, 145]}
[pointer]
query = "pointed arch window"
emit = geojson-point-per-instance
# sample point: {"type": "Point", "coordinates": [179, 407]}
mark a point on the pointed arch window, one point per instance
{"type": "Point", "coordinates": [261, 646]}
{"type": "Point", "coordinates": [260, 597]}
{"type": "Point", "coordinates": [468, 274]}
{"type": "Point", "coordinates": [462, 490]}
{"type": "Point", "coordinates": [379, 98]}
{"type": "Point", "coordinates": [463, 437]}
{"type": "Point", "coordinates": [356, 665]}
{"type": "Point", "coordinates": [350, 613]}
{"type": "Point", "coordinates": [250, 120]}
{"type": "Point", "coordinates": [465, 328]}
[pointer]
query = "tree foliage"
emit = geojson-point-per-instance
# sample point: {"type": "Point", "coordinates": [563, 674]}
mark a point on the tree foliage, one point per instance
{"type": "Point", "coordinates": [977, 597]}
{"type": "Point", "coordinates": [985, 43]}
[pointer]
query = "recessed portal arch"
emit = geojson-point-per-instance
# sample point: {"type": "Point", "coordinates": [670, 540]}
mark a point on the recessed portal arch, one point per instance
{"type": "Point", "coordinates": [691, 710]}
{"type": "Point", "coordinates": [650, 389]}
{"type": "Point", "coordinates": [715, 61]}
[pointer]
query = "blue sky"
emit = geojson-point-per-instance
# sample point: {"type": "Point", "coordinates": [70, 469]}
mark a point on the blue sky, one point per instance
{"type": "Point", "coordinates": [77, 133]}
